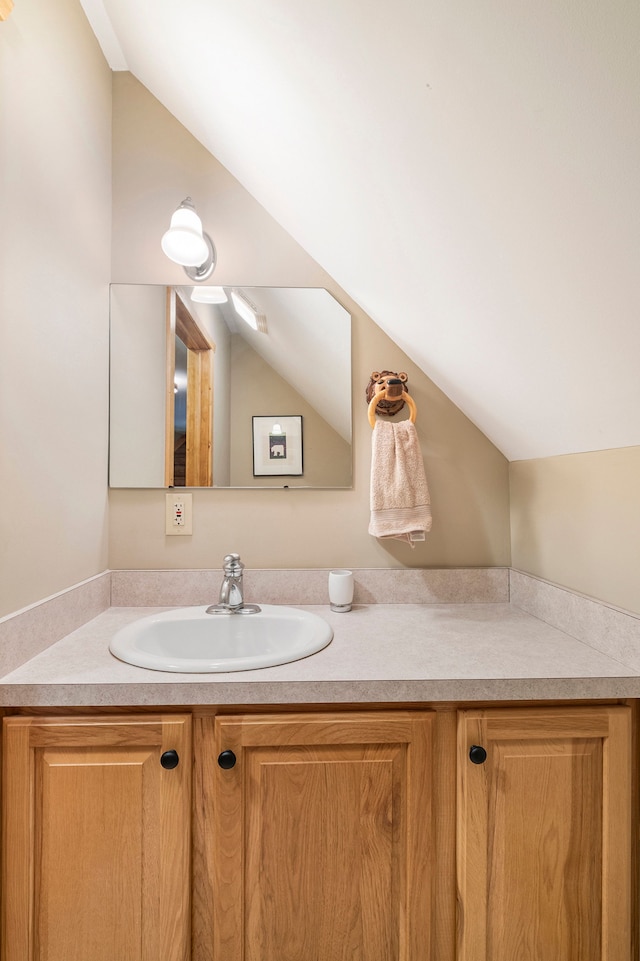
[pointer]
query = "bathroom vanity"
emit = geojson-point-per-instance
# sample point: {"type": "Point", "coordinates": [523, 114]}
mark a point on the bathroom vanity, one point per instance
{"type": "Point", "coordinates": [320, 834]}
{"type": "Point", "coordinates": [463, 789]}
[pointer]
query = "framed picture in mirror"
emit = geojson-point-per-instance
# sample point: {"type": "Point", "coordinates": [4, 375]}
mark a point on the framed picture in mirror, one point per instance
{"type": "Point", "coordinates": [277, 446]}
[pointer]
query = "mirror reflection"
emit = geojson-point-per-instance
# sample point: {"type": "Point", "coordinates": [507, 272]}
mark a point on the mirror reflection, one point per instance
{"type": "Point", "coordinates": [251, 388]}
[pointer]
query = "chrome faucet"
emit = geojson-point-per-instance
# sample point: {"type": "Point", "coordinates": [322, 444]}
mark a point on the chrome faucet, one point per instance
{"type": "Point", "coordinates": [231, 600]}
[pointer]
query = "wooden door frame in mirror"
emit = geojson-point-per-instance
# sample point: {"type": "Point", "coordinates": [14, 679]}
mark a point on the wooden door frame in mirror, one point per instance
{"type": "Point", "coordinates": [200, 353]}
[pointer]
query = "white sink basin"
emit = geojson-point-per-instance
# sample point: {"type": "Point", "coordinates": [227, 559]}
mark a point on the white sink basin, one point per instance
{"type": "Point", "coordinates": [188, 640]}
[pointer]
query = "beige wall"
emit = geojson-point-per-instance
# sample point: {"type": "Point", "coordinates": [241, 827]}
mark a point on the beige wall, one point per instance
{"type": "Point", "coordinates": [156, 163]}
{"type": "Point", "coordinates": [55, 197]}
{"type": "Point", "coordinates": [575, 520]}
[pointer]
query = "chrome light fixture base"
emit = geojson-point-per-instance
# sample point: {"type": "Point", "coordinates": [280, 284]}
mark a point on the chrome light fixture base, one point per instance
{"type": "Point", "coordinates": [204, 270]}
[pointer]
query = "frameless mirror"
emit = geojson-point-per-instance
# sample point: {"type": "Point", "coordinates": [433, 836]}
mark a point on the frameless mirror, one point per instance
{"type": "Point", "coordinates": [252, 391]}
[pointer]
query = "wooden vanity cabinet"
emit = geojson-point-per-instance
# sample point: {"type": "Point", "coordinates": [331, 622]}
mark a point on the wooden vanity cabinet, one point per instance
{"type": "Point", "coordinates": [96, 838]}
{"type": "Point", "coordinates": [544, 834]}
{"type": "Point", "coordinates": [321, 837]}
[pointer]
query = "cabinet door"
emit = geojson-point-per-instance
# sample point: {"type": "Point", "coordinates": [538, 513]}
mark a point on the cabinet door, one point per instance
{"type": "Point", "coordinates": [544, 840]}
{"type": "Point", "coordinates": [322, 838]}
{"type": "Point", "coordinates": [96, 839]}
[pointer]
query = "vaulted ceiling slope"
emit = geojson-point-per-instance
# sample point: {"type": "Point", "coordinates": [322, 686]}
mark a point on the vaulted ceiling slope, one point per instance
{"type": "Point", "coordinates": [468, 172]}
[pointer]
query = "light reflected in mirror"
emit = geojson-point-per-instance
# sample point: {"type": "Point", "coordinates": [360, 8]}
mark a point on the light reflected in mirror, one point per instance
{"type": "Point", "coordinates": [194, 386]}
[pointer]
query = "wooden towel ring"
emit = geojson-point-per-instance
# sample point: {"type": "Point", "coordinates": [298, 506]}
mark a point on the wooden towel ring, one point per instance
{"type": "Point", "coordinates": [375, 400]}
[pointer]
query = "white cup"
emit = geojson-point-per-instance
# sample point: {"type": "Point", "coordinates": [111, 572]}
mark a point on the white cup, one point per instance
{"type": "Point", "coordinates": [340, 590]}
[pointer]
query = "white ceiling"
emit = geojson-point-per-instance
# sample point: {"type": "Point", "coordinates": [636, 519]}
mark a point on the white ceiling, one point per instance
{"type": "Point", "coordinates": [467, 172]}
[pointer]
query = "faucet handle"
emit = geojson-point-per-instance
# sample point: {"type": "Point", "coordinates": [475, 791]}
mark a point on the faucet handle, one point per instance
{"type": "Point", "coordinates": [232, 564]}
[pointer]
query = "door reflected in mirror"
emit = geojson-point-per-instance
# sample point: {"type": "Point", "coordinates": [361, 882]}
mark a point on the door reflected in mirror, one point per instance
{"type": "Point", "coordinates": [188, 379]}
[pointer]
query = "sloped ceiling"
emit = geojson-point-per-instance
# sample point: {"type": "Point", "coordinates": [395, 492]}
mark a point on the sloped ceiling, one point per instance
{"type": "Point", "coordinates": [309, 343]}
{"type": "Point", "coordinates": [468, 172]}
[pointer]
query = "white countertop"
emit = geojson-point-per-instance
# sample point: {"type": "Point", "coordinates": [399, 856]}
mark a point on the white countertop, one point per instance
{"type": "Point", "coordinates": [380, 653]}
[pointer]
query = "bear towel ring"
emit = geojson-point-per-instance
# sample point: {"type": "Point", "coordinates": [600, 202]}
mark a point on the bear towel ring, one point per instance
{"type": "Point", "coordinates": [388, 391]}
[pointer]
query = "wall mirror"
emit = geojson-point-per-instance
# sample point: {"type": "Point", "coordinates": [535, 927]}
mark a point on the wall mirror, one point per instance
{"type": "Point", "coordinates": [253, 390]}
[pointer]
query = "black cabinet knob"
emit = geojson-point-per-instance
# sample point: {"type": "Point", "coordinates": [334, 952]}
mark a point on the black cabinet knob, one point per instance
{"type": "Point", "coordinates": [227, 760]}
{"type": "Point", "coordinates": [169, 760]}
{"type": "Point", "coordinates": [477, 754]}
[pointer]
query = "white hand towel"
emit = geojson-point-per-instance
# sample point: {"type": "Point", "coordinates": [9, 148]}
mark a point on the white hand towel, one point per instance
{"type": "Point", "coordinates": [400, 503]}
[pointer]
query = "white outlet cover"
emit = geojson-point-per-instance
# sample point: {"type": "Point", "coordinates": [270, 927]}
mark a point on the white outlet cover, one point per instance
{"type": "Point", "coordinates": [171, 524]}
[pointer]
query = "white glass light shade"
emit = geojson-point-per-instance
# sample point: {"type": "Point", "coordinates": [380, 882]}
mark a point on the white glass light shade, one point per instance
{"type": "Point", "coordinates": [209, 295]}
{"type": "Point", "coordinates": [183, 242]}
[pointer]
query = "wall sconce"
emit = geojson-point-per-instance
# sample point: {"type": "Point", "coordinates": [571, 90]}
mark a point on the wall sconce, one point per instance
{"type": "Point", "coordinates": [187, 244]}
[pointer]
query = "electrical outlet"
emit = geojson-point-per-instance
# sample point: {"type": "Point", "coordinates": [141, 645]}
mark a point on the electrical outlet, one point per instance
{"type": "Point", "coordinates": [179, 515]}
